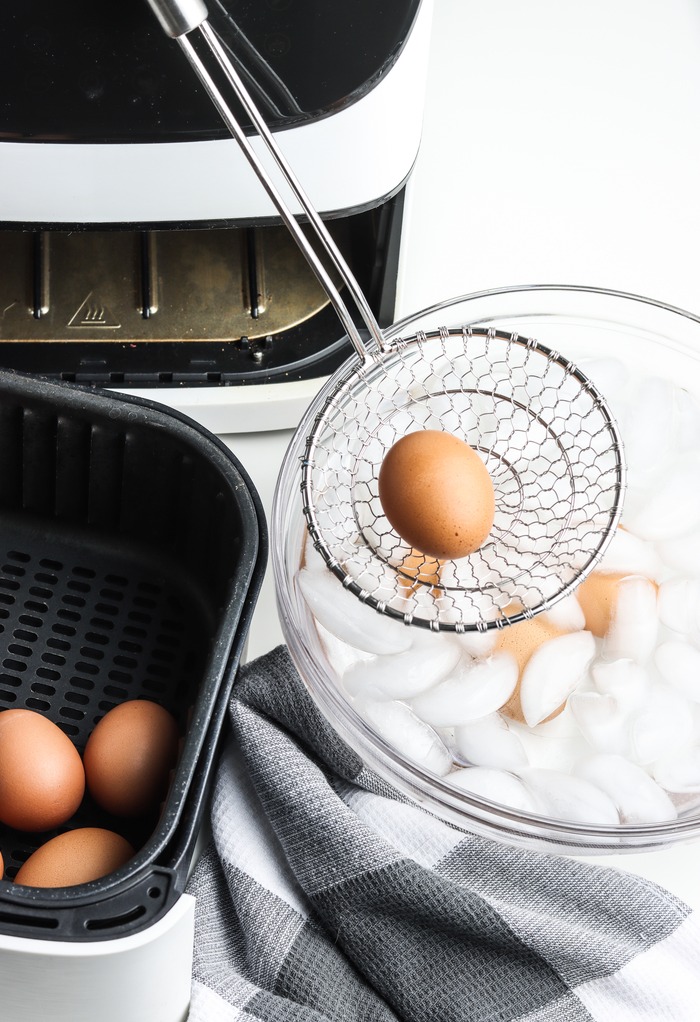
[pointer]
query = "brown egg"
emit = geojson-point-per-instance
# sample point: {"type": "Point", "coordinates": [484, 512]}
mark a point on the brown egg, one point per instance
{"type": "Point", "coordinates": [437, 494]}
{"type": "Point", "coordinates": [521, 640]}
{"type": "Point", "coordinates": [129, 755]}
{"type": "Point", "coordinates": [2, 866]}
{"type": "Point", "coordinates": [597, 596]}
{"type": "Point", "coordinates": [42, 780]}
{"type": "Point", "coordinates": [75, 857]}
{"type": "Point", "coordinates": [417, 570]}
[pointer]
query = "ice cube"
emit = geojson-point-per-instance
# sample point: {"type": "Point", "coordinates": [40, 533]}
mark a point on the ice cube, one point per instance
{"type": "Point", "coordinates": [635, 622]}
{"type": "Point", "coordinates": [636, 501]}
{"type": "Point", "coordinates": [371, 575]}
{"type": "Point", "coordinates": [408, 735]}
{"type": "Point", "coordinates": [648, 427]}
{"type": "Point", "coordinates": [477, 644]}
{"type": "Point", "coordinates": [610, 376]}
{"type": "Point", "coordinates": [679, 604]}
{"type": "Point", "coordinates": [563, 725]}
{"type": "Point", "coordinates": [695, 720]}
{"type": "Point", "coordinates": [567, 797]}
{"type": "Point", "coordinates": [553, 672]}
{"type": "Point", "coordinates": [628, 683]}
{"type": "Point", "coordinates": [663, 724]}
{"type": "Point", "coordinates": [681, 553]}
{"type": "Point", "coordinates": [672, 506]}
{"type": "Point", "coordinates": [678, 663]}
{"type": "Point", "coordinates": [340, 655]}
{"type": "Point", "coordinates": [348, 618]}
{"type": "Point", "coordinates": [312, 559]}
{"type": "Point", "coordinates": [489, 742]}
{"type": "Point", "coordinates": [627, 554]}
{"type": "Point", "coordinates": [553, 745]}
{"type": "Point", "coordinates": [404, 675]}
{"type": "Point", "coordinates": [494, 785]}
{"type": "Point", "coordinates": [639, 799]}
{"type": "Point", "coordinates": [679, 771]}
{"type": "Point", "coordinates": [688, 420]}
{"type": "Point", "coordinates": [477, 688]}
{"type": "Point", "coordinates": [566, 615]}
{"type": "Point", "coordinates": [603, 723]}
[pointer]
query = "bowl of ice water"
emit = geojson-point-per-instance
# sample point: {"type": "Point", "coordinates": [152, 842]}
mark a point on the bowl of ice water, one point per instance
{"type": "Point", "coordinates": [577, 730]}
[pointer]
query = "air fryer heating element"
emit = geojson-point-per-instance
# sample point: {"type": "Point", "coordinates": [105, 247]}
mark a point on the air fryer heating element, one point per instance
{"type": "Point", "coordinates": [546, 435]}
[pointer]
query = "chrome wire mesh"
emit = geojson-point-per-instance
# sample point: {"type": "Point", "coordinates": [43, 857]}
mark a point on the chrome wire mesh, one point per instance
{"type": "Point", "coordinates": [548, 441]}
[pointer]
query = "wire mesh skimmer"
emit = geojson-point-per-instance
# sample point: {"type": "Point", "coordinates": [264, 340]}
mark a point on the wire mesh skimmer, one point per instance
{"type": "Point", "coordinates": [547, 438]}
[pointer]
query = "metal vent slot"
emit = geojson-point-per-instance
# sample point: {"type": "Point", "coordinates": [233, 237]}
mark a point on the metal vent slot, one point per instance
{"type": "Point", "coordinates": [135, 286]}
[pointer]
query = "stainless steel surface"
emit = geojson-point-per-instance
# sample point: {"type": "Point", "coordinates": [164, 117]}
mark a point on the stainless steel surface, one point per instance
{"type": "Point", "coordinates": [319, 228]}
{"type": "Point", "coordinates": [177, 17]}
{"type": "Point", "coordinates": [127, 286]}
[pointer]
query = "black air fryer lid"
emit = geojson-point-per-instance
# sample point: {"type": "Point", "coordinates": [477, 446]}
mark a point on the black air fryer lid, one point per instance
{"type": "Point", "coordinates": [75, 72]}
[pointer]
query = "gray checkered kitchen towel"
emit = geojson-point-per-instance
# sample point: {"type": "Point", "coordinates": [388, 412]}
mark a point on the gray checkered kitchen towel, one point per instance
{"type": "Point", "coordinates": [325, 898]}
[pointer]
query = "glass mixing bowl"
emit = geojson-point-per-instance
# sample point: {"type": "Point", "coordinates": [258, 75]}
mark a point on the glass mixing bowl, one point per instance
{"type": "Point", "coordinates": [581, 323]}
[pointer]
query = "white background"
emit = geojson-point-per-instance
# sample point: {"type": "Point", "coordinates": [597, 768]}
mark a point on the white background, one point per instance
{"type": "Point", "coordinates": [561, 144]}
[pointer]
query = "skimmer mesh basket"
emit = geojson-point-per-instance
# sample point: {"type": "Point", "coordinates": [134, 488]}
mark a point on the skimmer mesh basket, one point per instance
{"type": "Point", "coordinates": [548, 441]}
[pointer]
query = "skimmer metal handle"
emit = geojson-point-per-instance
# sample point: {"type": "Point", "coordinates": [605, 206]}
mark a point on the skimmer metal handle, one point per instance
{"type": "Point", "coordinates": [179, 18]}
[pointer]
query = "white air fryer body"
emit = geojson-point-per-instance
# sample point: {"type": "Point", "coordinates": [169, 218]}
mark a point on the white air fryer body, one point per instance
{"type": "Point", "coordinates": [345, 161]}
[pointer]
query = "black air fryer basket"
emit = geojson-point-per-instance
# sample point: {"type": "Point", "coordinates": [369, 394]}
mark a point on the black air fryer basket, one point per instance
{"type": "Point", "coordinates": [133, 546]}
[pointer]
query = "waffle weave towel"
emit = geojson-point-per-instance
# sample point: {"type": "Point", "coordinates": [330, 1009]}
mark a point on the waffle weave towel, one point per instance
{"type": "Point", "coordinates": [325, 896]}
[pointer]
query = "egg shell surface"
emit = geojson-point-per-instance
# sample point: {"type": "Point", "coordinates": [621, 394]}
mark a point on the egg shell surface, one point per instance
{"type": "Point", "coordinates": [75, 857]}
{"type": "Point", "coordinates": [437, 494]}
{"type": "Point", "coordinates": [597, 596]}
{"type": "Point", "coordinates": [521, 640]}
{"type": "Point", "coordinates": [129, 755]}
{"type": "Point", "coordinates": [42, 781]}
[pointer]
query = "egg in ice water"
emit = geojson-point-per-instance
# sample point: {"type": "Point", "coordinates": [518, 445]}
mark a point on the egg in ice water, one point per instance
{"type": "Point", "coordinates": [437, 494]}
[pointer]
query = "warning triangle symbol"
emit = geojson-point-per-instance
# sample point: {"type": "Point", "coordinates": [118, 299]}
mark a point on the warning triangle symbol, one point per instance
{"type": "Point", "coordinates": [93, 313]}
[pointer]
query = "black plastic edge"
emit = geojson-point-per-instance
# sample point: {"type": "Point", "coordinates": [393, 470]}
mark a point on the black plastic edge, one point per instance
{"type": "Point", "coordinates": [310, 117]}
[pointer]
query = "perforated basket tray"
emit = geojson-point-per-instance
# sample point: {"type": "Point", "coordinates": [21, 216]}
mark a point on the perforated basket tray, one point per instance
{"type": "Point", "coordinates": [132, 548]}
